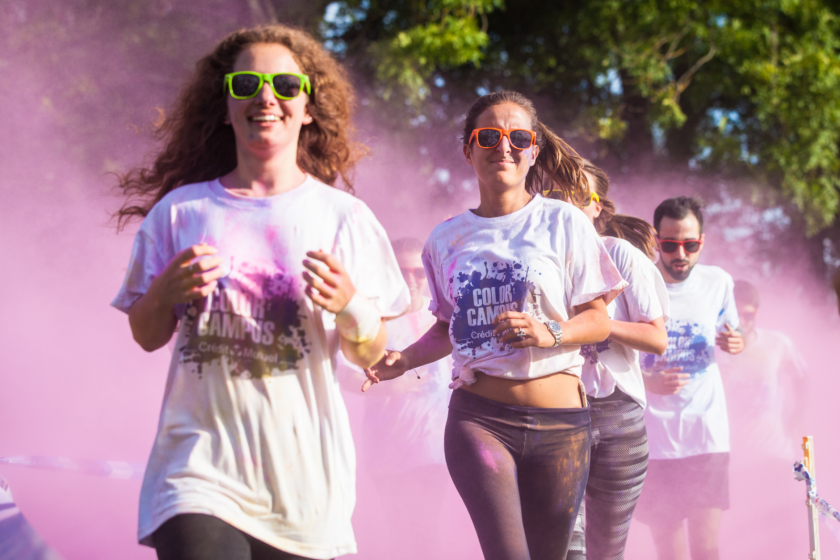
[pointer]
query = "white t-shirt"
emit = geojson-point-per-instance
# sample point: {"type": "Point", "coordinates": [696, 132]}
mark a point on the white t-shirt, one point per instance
{"type": "Point", "coordinates": [693, 421]}
{"type": "Point", "coordinates": [755, 381]}
{"type": "Point", "coordinates": [405, 418]}
{"type": "Point", "coordinates": [253, 429]}
{"type": "Point", "coordinates": [543, 260]}
{"type": "Point", "coordinates": [610, 364]}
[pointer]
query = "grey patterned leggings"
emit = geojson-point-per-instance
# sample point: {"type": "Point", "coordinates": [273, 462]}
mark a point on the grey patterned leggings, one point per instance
{"type": "Point", "coordinates": [619, 458]}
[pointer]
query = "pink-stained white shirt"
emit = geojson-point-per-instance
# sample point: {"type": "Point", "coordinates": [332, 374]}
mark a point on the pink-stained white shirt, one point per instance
{"type": "Point", "coordinates": [253, 429]}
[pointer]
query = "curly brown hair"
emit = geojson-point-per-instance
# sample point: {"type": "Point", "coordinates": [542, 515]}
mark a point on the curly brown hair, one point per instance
{"type": "Point", "coordinates": [559, 169]}
{"type": "Point", "coordinates": [200, 146]}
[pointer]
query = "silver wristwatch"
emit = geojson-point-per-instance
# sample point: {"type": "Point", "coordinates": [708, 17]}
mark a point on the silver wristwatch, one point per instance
{"type": "Point", "coordinates": [555, 329]}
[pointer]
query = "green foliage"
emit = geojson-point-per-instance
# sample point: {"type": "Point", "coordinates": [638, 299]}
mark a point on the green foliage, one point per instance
{"type": "Point", "coordinates": [410, 58]}
{"type": "Point", "coordinates": [742, 88]}
{"type": "Point", "coordinates": [793, 81]}
{"type": "Point", "coordinates": [440, 34]}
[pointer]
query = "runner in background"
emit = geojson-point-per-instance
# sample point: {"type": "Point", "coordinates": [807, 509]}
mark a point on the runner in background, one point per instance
{"type": "Point", "coordinates": [687, 425]}
{"type": "Point", "coordinates": [613, 379]}
{"type": "Point", "coordinates": [765, 388]}
{"type": "Point", "coordinates": [399, 439]}
{"type": "Point", "coordinates": [766, 396]}
{"type": "Point", "coordinates": [270, 270]}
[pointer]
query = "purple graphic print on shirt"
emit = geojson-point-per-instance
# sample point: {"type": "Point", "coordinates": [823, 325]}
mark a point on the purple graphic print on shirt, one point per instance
{"type": "Point", "coordinates": [253, 320]}
{"type": "Point", "coordinates": [481, 297]}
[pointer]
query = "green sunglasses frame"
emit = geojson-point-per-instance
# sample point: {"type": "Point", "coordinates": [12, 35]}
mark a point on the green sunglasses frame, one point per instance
{"type": "Point", "coordinates": [304, 83]}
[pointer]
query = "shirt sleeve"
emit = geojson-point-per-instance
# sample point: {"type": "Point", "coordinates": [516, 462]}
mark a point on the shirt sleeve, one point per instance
{"type": "Point", "coordinates": [661, 292]}
{"type": "Point", "coordinates": [642, 296]}
{"type": "Point", "coordinates": [591, 273]}
{"type": "Point", "coordinates": [728, 314]}
{"type": "Point", "coordinates": [148, 260]}
{"type": "Point", "coordinates": [363, 249]}
{"type": "Point", "coordinates": [440, 306]}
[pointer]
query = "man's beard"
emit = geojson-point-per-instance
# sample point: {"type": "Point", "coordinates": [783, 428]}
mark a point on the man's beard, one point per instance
{"type": "Point", "coordinates": [679, 275]}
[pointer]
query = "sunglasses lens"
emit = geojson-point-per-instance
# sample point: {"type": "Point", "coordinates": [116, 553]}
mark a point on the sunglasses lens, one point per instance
{"type": "Point", "coordinates": [244, 85]}
{"type": "Point", "coordinates": [669, 246]}
{"type": "Point", "coordinates": [691, 246]}
{"type": "Point", "coordinates": [286, 85]}
{"type": "Point", "coordinates": [520, 139]}
{"type": "Point", "coordinates": [488, 138]}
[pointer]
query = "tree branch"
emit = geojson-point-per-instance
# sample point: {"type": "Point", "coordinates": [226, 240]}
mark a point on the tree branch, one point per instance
{"type": "Point", "coordinates": [684, 80]}
{"type": "Point", "coordinates": [670, 54]}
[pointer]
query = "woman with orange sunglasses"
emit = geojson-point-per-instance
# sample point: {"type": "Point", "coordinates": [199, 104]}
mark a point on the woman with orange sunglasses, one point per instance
{"type": "Point", "coordinates": [266, 270]}
{"type": "Point", "coordinates": [518, 284]}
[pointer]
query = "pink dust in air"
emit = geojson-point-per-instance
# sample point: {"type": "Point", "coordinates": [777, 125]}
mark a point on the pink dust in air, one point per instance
{"type": "Point", "coordinates": [75, 384]}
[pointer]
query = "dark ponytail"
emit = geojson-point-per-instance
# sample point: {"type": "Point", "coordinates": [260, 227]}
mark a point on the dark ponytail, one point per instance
{"type": "Point", "coordinates": [635, 230]}
{"type": "Point", "coordinates": [558, 170]}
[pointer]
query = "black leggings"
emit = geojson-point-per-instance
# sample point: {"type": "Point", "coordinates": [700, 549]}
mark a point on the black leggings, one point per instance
{"type": "Point", "coordinates": [195, 536]}
{"type": "Point", "coordinates": [521, 472]}
{"type": "Point", "coordinates": [616, 473]}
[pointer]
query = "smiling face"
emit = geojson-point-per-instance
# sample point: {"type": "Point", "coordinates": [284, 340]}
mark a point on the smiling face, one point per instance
{"type": "Point", "coordinates": [676, 266]}
{"type": "Point", "coordinates": [411, 266]}
{"type": "Point", "coordinates": [265, 125]}
{"type": "Point", "coordinates": [502, 168]}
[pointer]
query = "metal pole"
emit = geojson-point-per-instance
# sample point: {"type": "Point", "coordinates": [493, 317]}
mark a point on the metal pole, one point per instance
{"type": "Point", "coordinates": [813, 513]}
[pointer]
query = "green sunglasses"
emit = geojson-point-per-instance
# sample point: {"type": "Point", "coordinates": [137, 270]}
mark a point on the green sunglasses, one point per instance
{"type": "Point", "coordinates": [285, 85]}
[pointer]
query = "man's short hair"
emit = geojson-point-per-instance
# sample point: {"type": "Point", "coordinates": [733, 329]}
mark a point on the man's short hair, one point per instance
{"type": "Point", "coordinates": [746, 293]}
{"type": "Point", "coordinates": [677, 209]}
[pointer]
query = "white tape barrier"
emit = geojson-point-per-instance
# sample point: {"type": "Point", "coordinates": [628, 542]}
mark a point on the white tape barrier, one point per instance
{"type": "Point", "coordinates": [801, 473]}
{"type": "Point", "coordinates": [106, 469]}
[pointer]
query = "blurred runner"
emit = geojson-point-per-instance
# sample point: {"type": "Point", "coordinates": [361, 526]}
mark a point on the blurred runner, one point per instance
{"type": "Point", "coordinates": [765, 388]}
{"type": "Point", "coordinates": [401, 442]}
{"type": "Point", "coordinates": [766, 396]}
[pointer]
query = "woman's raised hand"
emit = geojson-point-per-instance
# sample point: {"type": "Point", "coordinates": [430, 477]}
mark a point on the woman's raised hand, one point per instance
{"type": "Point", "coordinates": [188, 277]}
{"type": "Point", "coordinates": [522, 330]}
{"type": "Point", "coordinates": [329, 286]}
{"type": "Point", "coordinates": [392, 365]}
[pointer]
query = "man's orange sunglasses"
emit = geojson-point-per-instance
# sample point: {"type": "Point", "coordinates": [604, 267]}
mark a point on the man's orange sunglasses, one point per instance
{"type": "Point", "coordinates": [518, 138]}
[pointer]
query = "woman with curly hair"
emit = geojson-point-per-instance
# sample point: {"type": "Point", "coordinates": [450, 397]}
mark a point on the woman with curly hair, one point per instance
{"type": "Point", "coordinates": [265, 270]}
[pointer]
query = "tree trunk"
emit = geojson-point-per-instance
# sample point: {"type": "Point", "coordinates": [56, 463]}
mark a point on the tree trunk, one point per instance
{"type": "Point", "coordinates": [637, 146]}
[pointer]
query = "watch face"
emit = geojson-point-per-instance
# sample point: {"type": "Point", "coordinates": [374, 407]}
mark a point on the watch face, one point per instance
{"type": "Point", "coordinates": [555, 329]}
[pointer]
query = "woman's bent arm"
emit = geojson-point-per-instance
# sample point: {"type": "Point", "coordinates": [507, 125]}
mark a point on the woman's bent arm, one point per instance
{"type": "Point", "coordinates": [590, 324]}
{"type": "Point", "coordinates": [152, 323]}
{"type": "Point", "coordinates": [186, 278]}
{"type": "Point", "coordinates": [431, 347]}
{"type": "Point", "coordinates": [646, 337]}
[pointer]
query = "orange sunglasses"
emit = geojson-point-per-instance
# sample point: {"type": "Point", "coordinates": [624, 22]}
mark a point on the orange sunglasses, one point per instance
{"type": "Point", "coordinates": [518, 138]}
